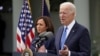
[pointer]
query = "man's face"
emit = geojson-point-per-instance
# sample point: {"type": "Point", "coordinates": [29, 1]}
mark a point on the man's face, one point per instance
{"type": "Point", "coordinates": [66, 15]}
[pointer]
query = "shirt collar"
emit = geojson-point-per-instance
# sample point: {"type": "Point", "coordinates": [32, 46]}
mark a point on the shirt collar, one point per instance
{"type": "Point", "coordinates": [70, 25]}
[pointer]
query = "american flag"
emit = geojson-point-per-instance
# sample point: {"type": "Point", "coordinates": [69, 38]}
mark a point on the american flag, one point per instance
{"type": "Point", "coordinates": [25, 28]}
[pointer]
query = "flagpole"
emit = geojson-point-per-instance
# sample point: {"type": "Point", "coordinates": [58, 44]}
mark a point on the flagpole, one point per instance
{"type": "Point", "coordinates": [26, 25]}
{"type": "Point", "coordinates": [42, 7]}
{"type": "Point", "coordinates": [27, 51]}
{"type": "Point", "coordinates": [29, 6]}
{"type": "Point", "coordinates": [25, 20]}
{"type": "Point", "coordinates": [25, 31]}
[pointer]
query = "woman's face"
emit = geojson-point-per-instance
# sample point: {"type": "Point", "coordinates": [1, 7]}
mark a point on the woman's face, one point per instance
{"type": "Point", "coordinates": [41, 26]}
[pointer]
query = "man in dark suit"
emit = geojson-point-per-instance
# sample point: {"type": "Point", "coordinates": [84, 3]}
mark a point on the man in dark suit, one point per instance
{"type": "Point", "coordinates": [77, 40]}
{"type": "Point", "coordinates": [71, 39]}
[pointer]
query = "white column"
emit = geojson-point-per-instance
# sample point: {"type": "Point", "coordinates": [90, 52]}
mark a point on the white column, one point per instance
{"type": "Point", "coordinates": [17, 4]}
{"type": "Point", "coordinates": [82, 14]}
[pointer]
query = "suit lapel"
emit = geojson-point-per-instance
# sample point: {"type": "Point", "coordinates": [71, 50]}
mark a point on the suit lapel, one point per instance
{"type": "Point", "coordinates": [72, 32]}
{"type": "Point", "coordinates": [58, 37]}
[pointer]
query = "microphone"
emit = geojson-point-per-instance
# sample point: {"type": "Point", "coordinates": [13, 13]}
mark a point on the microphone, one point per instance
{"type": "Point", "coordinates": [44, 37]}
{"type": "Point", "coordinates": [36, 40]}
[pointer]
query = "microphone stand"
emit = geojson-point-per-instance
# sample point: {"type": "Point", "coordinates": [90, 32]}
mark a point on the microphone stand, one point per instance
{"type": "Point", "coordinates": [38, 45]}
{"type": "Point", "coordinates": [36, 48]}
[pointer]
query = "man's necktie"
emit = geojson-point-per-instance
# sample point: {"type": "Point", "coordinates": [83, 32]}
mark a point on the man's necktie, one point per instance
{"type": "Point", "coordinates": [63, 38]}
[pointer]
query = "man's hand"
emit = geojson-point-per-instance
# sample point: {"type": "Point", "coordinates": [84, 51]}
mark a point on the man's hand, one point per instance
{"type": "Point", "coordinates": [64, 52]}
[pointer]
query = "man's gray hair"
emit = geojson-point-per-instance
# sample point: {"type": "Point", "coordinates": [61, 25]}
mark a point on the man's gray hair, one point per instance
{"type": "Point", "coordinates": [72, 6]}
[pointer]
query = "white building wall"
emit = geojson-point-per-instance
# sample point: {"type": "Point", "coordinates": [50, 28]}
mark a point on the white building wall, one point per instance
{"type": "Point", "coordinates": [82, 8]}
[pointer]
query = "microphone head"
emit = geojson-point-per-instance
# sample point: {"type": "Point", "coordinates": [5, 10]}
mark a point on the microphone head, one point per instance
{"type": "Point", "coordinates": [46, 35]}
{"type": "Point", "coordinates": [42, 34]}
{"type": "Point", "coordinates": [49, 35]}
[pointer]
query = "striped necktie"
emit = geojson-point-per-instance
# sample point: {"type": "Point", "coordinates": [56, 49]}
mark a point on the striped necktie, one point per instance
{"type": "Point", "coordinates": [63, 38]}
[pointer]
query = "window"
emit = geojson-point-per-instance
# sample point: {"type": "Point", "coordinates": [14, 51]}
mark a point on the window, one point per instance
{"type": "Point", "coordinates": [54, 4]}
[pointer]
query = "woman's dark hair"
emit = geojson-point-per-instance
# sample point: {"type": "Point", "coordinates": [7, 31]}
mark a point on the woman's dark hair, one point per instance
{"type": "Point", "coordinates": [47, 21]}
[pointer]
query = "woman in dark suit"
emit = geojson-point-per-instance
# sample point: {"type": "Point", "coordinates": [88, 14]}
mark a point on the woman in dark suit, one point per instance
{"type": "Point", "coordinates": [43, 24]}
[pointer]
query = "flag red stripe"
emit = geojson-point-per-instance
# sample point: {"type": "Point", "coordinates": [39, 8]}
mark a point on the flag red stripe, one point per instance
{"type": "Point", "coordinates": [32, 34]}
{"type": "Point", "coordinates": [18, 38]}
{"type": "Point", "coordinates": [28, 41]}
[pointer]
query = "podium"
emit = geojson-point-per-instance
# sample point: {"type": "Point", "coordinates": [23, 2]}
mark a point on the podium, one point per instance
{"type": "Point", "coordinates": [43, 54]}
{"type": "Point", "coordinates": [34, 54]}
